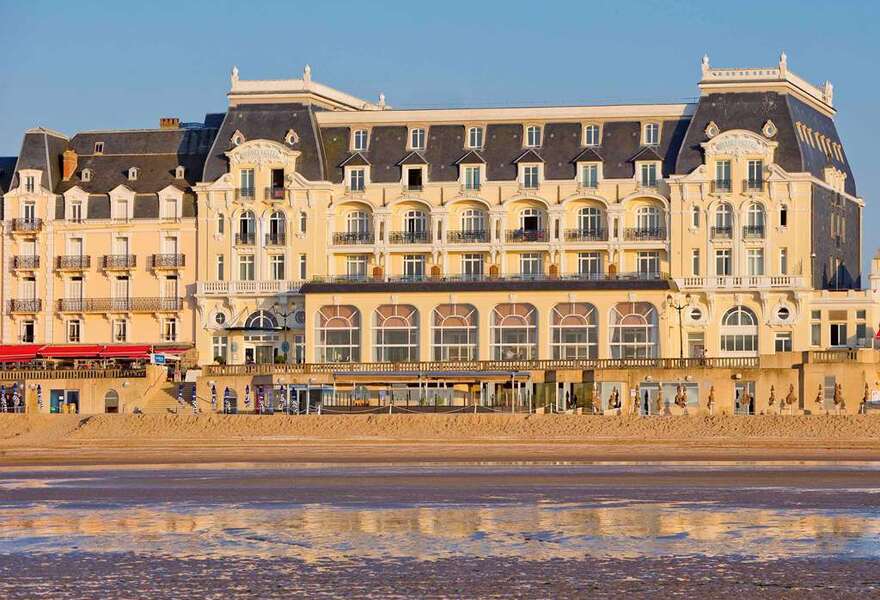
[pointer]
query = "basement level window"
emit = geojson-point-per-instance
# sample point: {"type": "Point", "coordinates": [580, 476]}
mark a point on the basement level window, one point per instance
{"type": "Point", "coordinates": [99, 147]}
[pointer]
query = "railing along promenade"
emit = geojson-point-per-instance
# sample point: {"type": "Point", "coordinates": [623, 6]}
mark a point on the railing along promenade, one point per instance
{"type": "Point", "coordinates": [70, 373]}
{"type": "Point", "coordinates": [477, 366]}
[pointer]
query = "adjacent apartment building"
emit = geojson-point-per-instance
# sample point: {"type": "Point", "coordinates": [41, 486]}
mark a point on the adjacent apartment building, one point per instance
{"type": "Point", "coordinates": [307, 225]}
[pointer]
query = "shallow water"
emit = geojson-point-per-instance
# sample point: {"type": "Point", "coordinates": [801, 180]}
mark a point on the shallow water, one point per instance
{"type": "Point", "coordinates": [469, 530]}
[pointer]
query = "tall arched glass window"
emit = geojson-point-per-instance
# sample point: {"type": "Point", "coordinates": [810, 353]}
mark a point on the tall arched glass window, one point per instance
{"type": "Point", "coordinates": [415, 221]}
{"type": "Point", "coordinates": [591, 135]}
{"type": "Point", "coordinates": [755, 215]}
{"type": "Point", "coordinates": [724, 217]}
{"type": "Point", "coordinates": [277, 227]}
{"type": "Point", "coordinates": [338, 330]}
{"type": "Point", "coordinates": [357, 221]}
{"type": "Point", "coordinates": [648, 218]}
{"type": "Point", "coordinates": [514, 332]}
{"type": "Point", "coordinates": [261, 319]}
{"type": "Point", "coordinates": [634, 330]}
{"type": "Point", "coordinates": [473, 220]}
{"type": "Point", "coordinates": [247, 227]}
{"type": "Point", "coordinates": [454, 332]}
{"type": "Point", "coordinates": [590, 219]}
{"type": "Point", "coordinates": [739, 332]}
{"type": "Point", "coordinates": [396, 333]}
{"type": "Point", "coordinates": [574, 331]}
{"type": "Point", "coordinates": [531, 219]}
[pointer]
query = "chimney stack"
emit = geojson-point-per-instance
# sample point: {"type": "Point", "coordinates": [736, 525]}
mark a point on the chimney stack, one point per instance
{"type": "Point", "coordinates": [69, 162]}
{"type": "Point", "coordinates": [169, 123]}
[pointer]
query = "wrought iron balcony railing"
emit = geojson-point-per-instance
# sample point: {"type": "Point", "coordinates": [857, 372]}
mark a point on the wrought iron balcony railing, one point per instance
{"type": "Point", "coordinates": [27, 225]}
{"type": "Point", "coordinates": [352, 238]}
{"type": "Point", "coordinates": [28, 261]}
{"type": "Point", "coordinates": [25, 305]}
{"type": "Point", "coordinates": [273, 193]}
{"type": "Point", "coordinates": [75, 262]}
{"type": "Point", "coordinates": [639, 234]}
{"type": "Point", "coordinates": [168, 261]}
{"type": "Point", "coordinates": [586, 235]}
{"type": "Point", "coordinates": [409, 237]}
{"type": "Point", "coordinates": [467, 236]}
{"type": "Point", "coordinates": [527, 235]}
{"type": "Point", "coordinates": [119, 261]}
{"type": "Point", "coordinates": [753, 232]}
{"type": "Point", "coordinates": [130, 304]}
{"type": "Point", "coordinates": [276, 239]}
{"type": "Point", "coordinates": [753, 185]}
{"type": "Point", "coordinates": [245, 239]}
{"type": "Point", "coordinates": [722, 233]}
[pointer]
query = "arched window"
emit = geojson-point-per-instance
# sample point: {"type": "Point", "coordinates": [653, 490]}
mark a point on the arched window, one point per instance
{"type": "Point", "coordinates": [739, 332]}
{"type": "Point", "coordinates": [514, 332]}
{"type": "Point", "coordinates": [574, 331]}
{"type": "Point", "coordinates": [590, 219]}
{"type": "Point", "coordinates": [277, 227]}
{"type": "Point", "coordinates": [648, 218]}
{"type": "Point", "coordinates": [396, 333]}
{"type": "Point", "coordinates": [591, 135]}
{"type": "Point", "coordinates": [724, 217]}
{"type": "Point", "coordinates": [261, 319]}
{"type": "Point", "coordinates": [338, 334]}
{"type": "Point", "coordinates": [634, 330]}
{"type": "Point", "coordinates": [454, 332]}
{"type": "Point", "coordinates": [473, 220]}
{"type": "Point", "coordinates": [531, 219]}
{"type": "Point", "coordinates": [111, 401]}
{"type": "Point", "coordinates": [755, 216]}
{"type": "Point", "coordinates": [357, 221]}
{"type": "Point", "coordinates": [247, 227]}
{"type": "Point", "coordinates": [415, 222]}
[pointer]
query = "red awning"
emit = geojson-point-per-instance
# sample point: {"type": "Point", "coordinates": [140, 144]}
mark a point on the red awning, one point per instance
{"type": "Point", "coordinates": [71, 351]}
{"type": "Point", "coordinates": [18, 352]}
{"type": "Point", "coordinates": [132, 351]}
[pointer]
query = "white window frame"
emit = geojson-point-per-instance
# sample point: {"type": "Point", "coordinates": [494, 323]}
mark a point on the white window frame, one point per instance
{"type": "Point", "coordinates": [648, 173]}
{"type": "Point", "coordinates": [594, 169]}
{"type": "Point", "coordinates": [472, 177]}
{"type": "Point", "coordinates": [478, 133]}
{"type": "Point", "coordinates": [74, 331]}
{"type": "Point", "coordinates": [651, 134]}
{"type": "Point", "coordinates": [523, 348]}
{"type": "Point", "coordinates": [357, 178]}
{"type": "Point", "coordinates": [417, 138]}
{"type": "Point", "coordinates": [578, 319]}
{"type": "Point", "coordinates": [120, 330]}
{"type": "Point", "coordinates": [592, 141]}
{"type": "Point", "coordinates": [360, 140]}
{"type": "Point", "coordinates": [533, 136]}
{"type": "Point", "coordinates": [277, 267]}
{"type": "Point", "coordinates": [466, 326]}
{"type": "Point", "coordinates": [531, 175]}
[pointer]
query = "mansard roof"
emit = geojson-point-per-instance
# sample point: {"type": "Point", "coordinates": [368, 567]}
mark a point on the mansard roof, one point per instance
{"type": "Point", "coordinates": [355, 160]}
{"type": "Point", "coordinates": [587, 155]}
{"type": "Point", "coordinates": [529, 156]}
{"type": "Point", "coordinates": [646, 153]}
{"type": "Point", "coordinates": [413, 158]}
{"type": "Point", "coordinates": [472, 157]}
{"type": "Point", "coordinates": [7, 170]}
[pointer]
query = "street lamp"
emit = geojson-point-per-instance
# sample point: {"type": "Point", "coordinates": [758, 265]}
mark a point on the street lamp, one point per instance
{"type": "Point", "coordinates": [284, 311]}
{"type": "Point", "coordinates": [670, 301]}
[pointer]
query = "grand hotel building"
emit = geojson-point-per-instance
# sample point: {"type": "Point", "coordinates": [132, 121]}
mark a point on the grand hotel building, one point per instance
{"type": "Point", "coordinates": [307, 225]}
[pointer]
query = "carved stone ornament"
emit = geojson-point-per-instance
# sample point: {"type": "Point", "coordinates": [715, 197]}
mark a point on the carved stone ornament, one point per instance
{"type": "Point", "coordinates": [769, 129]}
{"type": "Point", "coordinates": [261, 153]}
{"type": "Point", "coordinates": [237, 138]}
{"type": "Point", "coordinates": [738, 144]}
{"type": "Point", "coordinates": [291, 138]}
{"type": "Point", "coordinates": [712, 129]}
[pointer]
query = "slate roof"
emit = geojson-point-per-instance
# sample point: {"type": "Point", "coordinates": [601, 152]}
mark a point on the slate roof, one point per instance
{"type": "Point", "coordinates": [472, 157]}
{"type": "Point", "coordinates": [268, 122]}
{"type": "Point", "coordinates": [529, 156]}
{"type": "Point", "coordinates": [355, 160]}
{"type": "Point", "coordinates": [7, 170]}
{"type": "Point", "coordinates": [587, 155]}
{"type": "Point", "coordinates": [646, 153]}
{"type": "Point", "coordinates": [413, 158]}
{"type": "Point", "coordinates": [41, 149]}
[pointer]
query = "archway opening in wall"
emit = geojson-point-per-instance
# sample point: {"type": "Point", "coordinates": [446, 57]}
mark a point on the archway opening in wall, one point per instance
{"type": "Point", "coordinates": [111, 402]}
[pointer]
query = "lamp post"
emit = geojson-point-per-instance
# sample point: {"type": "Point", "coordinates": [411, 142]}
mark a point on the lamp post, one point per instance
{"type": "Point", "coordinates": [670, 301]}
{"type": "Point", "coordinates": [284, 311]}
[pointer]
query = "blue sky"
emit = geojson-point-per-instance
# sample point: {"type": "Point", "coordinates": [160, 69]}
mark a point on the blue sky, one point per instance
{"type": "Point", "coordinates": [95, 65]}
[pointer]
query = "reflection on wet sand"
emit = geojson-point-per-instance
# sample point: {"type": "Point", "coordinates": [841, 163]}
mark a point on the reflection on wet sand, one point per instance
{"type": "Point", "coordinates": [312, 533]}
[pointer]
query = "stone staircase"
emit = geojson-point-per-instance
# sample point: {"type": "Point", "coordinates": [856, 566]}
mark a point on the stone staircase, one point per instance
{"type": "Point", "coordinates": [164, 400]}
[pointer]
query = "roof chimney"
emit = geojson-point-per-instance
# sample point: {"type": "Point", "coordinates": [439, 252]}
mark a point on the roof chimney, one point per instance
{"type": "Point", "coordinates": [169, 123]}
{"type": "Point", "coordinates": [68, 166]}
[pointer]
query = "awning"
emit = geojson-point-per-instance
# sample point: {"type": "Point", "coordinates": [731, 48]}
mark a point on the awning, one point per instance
{"type": "Point", "coordinates": [132, 351]}
{"type": "Point", "coordinates": [71, 351]}
{"type": "Point", "coordinates": [18, 352]}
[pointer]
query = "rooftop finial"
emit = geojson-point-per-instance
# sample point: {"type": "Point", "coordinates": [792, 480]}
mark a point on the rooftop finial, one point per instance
{"type": "Point", "coordinates": [705, 63]}
{"type": "Point", "coordinates": [307, 73]}
{"type": "Point", "coordinates": [828, 90]}
{"type": "Point", "coordinates": [381, 100]}
{"type": "Point", "coordinates": [783, 62]}
{"type": "Point", "coordinates": [234, 77]}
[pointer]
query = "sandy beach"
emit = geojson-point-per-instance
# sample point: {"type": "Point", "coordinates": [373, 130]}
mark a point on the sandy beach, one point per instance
{"type": "Point", "coordinates": [31, 440]}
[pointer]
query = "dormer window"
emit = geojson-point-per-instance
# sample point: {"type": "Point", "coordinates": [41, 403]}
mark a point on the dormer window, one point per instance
{"type": "Point", "coordinates": [133, 174]}
{"type": "Point", "coordinates": [651, 134]}
{"type": "Point", "coordinates": [359, 140]}
{"type": "Point", "coordinates": [475, 137]}
{"type": "Point", "coordinates": [533, 136]}
{"type": "Point", "coordinates": [30, 184]}
{"type": "Point", "coordinates": [86, 175]}
{"type": "Point", "coordinates": [417, 139]}
{"type": "Point", "coordinates": [179, 172]}
{"type": "Point", "coordinates": [99, 147]}
{"type": "Point", "coordinates": [237, 138]}
{"type": "Point", "coordinates": [592, 135]}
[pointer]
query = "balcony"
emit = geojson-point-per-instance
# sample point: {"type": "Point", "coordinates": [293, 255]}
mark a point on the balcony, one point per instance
{"type": "Point", "coordinates": [467, 236]}
{"type": "Point", "coordinates": [722, 233]}
{"type": "Point", "coordinates": [586, 235]}
{"type": "Point", "coordinates": [245, 194]}
{"type": "Point", "coordinates": [753, 185]}
{"type": "Point", "coordinates": [520, 236]}
{"type": "Point", "coordinates": [409, 237]}
{"type": "Point", "coordinates": [247, 288]}
{"type": "Point", "coordinates": [28, 262]}
{"type": "Point", "coordinates": [168, 261]}
{"type": "Point", "coordinates": [245, 239]}
{"type": "Point", "coordinates": [729, 282]}
{"type": "Point", "coordinates": [274, 194]}
{"type": "Point", "coordinates": [644, 234]}
{"type": "Point", "coordinates": [103, 305]}
{"type": "Point", "coordinates": [25, 306]}
{"type": "Point", "coordinates": [753, 232]}
{"type": "Point", "coordinates": [352, 238]}
{"type": "Point", "coordinates": [27, 225]}
{"type": "Point", "coordinates": [73, 262]}
{"type": "Point", "coordinates": [119, 262]}
{"type": "Point", "coordinates": [279, 238]}
{"type": "Point", "coordinates": [722, 186]}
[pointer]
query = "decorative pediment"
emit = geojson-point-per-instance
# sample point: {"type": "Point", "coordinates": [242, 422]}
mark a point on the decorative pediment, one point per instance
{"type": "Point", "coordinates": [262, 153]}
{"type": "Point", "coordinates": [413, 158]}
{"type": "Point", "coordinates": [587, 155]}
{"type": "Point", "coordinates": [291, 137]}
{"type": "Point", "coordinates": [355, 160]}
{"type": "Point", "coordinates": [648, 153]}
{"type": "Point", "coordinates": [739, 143]}
{"type": "Point", "coordinates": [529, 156]}
{"type": "Point", "coordinates": [472, 157]}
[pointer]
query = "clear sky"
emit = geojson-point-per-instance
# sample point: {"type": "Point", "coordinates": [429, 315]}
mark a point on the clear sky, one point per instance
{"type": "Point", "coordinates": [97, 65]}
